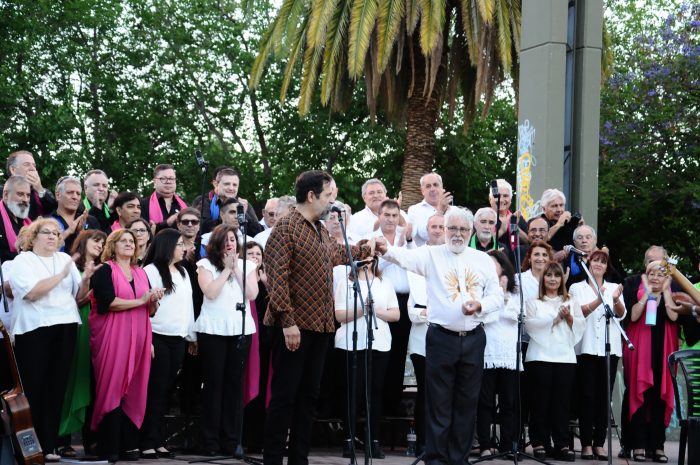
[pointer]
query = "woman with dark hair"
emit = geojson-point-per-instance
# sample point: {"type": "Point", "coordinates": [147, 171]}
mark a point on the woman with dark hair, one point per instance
{"type": "Point", "coordinates": [172, 327]}
{"type": "Point", "coordinates": [593, 414]}
{"type": "Point", "coordinates": [219, 329]}
{"type": "Point", "coordinates": [555, 324]}
{"type": "Point", "coordinates": [255, 407]}
{"type": "Point", "coordinates": [144, 236]}
{"type": "Point", "coordinates": [127, 208]}
{"type": "Point", "coordinates": [386, 309]}
{"type": "Point", "coordinates": [120, 341]}
{"type": "Point", "coordinates": [88, 247]}
{"type": "Point", "coordinates": [653, 330]}
{"type": "Point", "coordinates": [500, 363]}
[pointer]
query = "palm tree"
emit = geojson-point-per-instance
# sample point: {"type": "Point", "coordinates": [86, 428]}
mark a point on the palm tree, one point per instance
{"type": "Point", "coordinates": [415, 56]}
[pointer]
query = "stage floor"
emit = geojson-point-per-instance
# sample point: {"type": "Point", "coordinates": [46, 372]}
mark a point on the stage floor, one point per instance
{"type": "Point", "coordinates": [397, 457]}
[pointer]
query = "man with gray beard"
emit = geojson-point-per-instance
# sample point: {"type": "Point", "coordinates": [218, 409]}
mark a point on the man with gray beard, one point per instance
{"type": "Point", "coordinates": [14, 212]}
{"type": "Point", "coordinates": [484, 237]}
{"type": "Point", "coordinates": [462, 288]}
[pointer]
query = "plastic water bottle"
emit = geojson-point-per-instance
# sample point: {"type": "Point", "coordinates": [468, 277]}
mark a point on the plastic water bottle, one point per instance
{"type": "Point", "coordinates": [411, 439]}
{"type": "Point", "coordinates": [651, 311]}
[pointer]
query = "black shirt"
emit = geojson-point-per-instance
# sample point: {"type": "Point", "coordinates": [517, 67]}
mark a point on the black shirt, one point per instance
{"type": "Point", "coordinates": [17, 224]}
{"type": "Point", "coordinates": [103, 288]}
{"type": "Point", "coordinates": [563, 236]}
{"type": "Point", "coordinates": [145, 211]}
{"type": "Point", "coordinates": [90, 223]}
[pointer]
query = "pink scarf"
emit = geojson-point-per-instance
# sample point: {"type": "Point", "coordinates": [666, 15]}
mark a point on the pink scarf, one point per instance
{"type": "Point", "coordinates": [637, 363]}
{"type": "Point", "coordinates": [154, 213]}
{"type": "Point", "coordinates": [251, 386]}
{"type": "Point", "coordinates": [116, 226]}
{"type": "Point", "coordinates": [9, 230]}
{"type": "Point", "coordinates": [121, 351]}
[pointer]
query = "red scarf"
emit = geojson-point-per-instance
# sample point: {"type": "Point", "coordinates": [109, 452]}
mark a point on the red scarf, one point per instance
{"type": "Point", "coordinates": [10, 233]}
{"type": "Point", "coordinates": [154, 212]}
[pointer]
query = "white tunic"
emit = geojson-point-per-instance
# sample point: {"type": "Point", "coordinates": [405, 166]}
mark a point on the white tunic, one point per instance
{"type": "Point", "coordinates": [6, 317]}
{"type": "Point", "coordinates": [550, 342]}
{"type": "Point", "coordinates": [502, 335]}
{"type": "Point", "coordinates": [419, 322]}
{"type": "Point", "coordinates": [418, 215]}
{"type": "Point", "coordinates": [593, 341]}
{"type": "Point", "coordinates": [175, 315]}
{"type": "Point", "coordinates": [453, 279]}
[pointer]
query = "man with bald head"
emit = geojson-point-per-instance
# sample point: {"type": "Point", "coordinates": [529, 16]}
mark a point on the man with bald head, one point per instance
{"type": "Point", "coordinates": [268, 213]}
{"type": "Point", "coordinates": [435, 200]}
{"type": "Point", "coordinates": [42, 201]}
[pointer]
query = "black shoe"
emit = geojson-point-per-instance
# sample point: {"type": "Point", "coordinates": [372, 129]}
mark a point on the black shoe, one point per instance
{"type": "Point", "coordinates": [165, 453]}
{"type": "Point", "coordinates": [130, 455]}
{"type": "Point", "coordinates": [149, 454]}
{"type": "Point", "coordinates": [347, 449]}
{"type": "Point", "coordinates": [539, 453]}
{"type": "Point", "coordinates": [565, 455]}
{"type": "Point", "coordinates": [376, 451]}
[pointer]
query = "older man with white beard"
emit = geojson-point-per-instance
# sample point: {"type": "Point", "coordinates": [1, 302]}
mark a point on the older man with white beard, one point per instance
{"type": "Point", "coordinates": [484, 237]}
{"type": "Point", "coordinates": [14, 211]}
{"type": "Point", "coordinates": [462, 287]}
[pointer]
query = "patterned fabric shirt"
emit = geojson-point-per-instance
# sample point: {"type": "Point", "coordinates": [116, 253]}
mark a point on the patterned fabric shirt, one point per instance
{"type": "Point", "coordinates": [299, 261]}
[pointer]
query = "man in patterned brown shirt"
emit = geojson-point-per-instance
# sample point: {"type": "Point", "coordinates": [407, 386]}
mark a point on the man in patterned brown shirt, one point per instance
{"type": "Point", "coordinates": [299, 261]}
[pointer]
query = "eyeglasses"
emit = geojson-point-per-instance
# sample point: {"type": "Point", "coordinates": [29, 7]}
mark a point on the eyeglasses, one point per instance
{"type": "Point", "coordinates": [47, 232]}
{"type": "Point", "coordinates": [139, 231]}
{"type": "Point", "coordinates": [189, 222]}
{"type": "Point", "coordinates": [165, 180]}
{"type": "Point", "coordinates": [454, 229]}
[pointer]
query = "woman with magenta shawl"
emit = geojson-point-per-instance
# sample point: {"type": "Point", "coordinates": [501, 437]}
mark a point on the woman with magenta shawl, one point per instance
{"type": "Point", "coordinates": [649, 383]}
{"type": "Point", "coordinates": [120, 341]}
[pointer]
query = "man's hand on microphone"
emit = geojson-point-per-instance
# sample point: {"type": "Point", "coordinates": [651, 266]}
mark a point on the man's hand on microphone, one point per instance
{"type": "Point", "coordinates": [292, 338]}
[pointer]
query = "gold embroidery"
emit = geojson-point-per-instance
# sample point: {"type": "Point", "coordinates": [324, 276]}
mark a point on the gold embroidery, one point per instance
{"type": "Point", "coordinates": [452, 285]}
{"type": "Point", "coordinates": [471, 282]}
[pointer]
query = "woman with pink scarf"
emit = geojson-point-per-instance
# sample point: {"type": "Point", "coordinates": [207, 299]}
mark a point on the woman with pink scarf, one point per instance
{"type": "Point", "coordinates": [120, 341]}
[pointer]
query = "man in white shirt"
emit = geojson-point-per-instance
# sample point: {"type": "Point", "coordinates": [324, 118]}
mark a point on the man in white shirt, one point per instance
{"type": "Point", "coordinates": [363, 222]}
{"type": "Point", "coordinates": [435, 200]}
{"type": "Point", "coordinates": [283, 206]}
{"type": "Point", "coordinates": [397, 236]}
{"type": "Point", "coordinates": [462, 287]}
{"type": "Point", "coordinates": [268, 213]}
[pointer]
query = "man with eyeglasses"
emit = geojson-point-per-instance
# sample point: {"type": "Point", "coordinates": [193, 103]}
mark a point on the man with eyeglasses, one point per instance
{"type": "Point", "coordinates": [96, 185]}
{"type": "Point", "coordinates": [42, 201]}
{"type": "Point", "coordinates": [68, 192]}
{"type": "Point", "coordinates": [462, 288]}
{"type": "Point", "coordinates": [268, 212]}
{"type": "Point", "coordinates": [162, 207]}
{"type": "Point", "coordinates": [14, 213]}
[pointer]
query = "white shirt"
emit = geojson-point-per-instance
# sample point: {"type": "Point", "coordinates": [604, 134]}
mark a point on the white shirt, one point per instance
{"type": "Point", "coordinates": [56, 307]}
{"type": "Point", "coordinates": [419, 322]}
{"type": "Point", "coordinates": [531, 290]}
{"type": "Point", "coordinates": [502, 335]}
{"type": "Point", "coordinates": [262, 237]}
{"type": "Point", "coordinates": [6, 317]}
{"type": "Point", "coordinates": [418, 215]}
{"type": "Point", "coordinates": [384, 298]}
{"type": "Point", "coordinates": [390, 271]}
{"type": "Point", "coordinates": [175, 315]}
{"type": "Point", "coordinates": [219, 316]}
{"type": "Point", "coordinates": [207, 236]}
{"type": "Point", "coordinates": [549, 342]}
{"type": "Point", "coordinates": [453, 279]}
{"type": "Point", "coordinates": [361, 223]}
{"type": "Point", "coordinates": [593, 341]}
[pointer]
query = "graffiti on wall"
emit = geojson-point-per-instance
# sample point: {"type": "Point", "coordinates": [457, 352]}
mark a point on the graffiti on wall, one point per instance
{"type": "Point", "coordinates": [525, 167]}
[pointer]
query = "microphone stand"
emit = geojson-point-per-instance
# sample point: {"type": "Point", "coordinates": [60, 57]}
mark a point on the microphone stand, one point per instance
{"type": "Point", "coordinates": [371, 320]}
{"type": "Point", "coordinates": [515, 451]}
{"type": "Point", "coordinates": [609, 316]}
{"type": "Point", "coordinates": [352, 414]}
{"type": "Point", "coordinates": [203, 166]}
{"type": "Point", "coordinates": [243, 347]}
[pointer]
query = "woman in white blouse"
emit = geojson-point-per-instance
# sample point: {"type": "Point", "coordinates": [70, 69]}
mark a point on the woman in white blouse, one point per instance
{"type": "Point", "coordinates": [386, 309]}
{"type": "Point", "coordinates": [555, 324]}
{"type": "Point", "coordinates": [591, 354]}
{"type": "Point", "coordinates": [45, 284]}
{"type": "Point", "coordinates": [219, 329]}
{"type": "Point", "coordinates": [173, 326]}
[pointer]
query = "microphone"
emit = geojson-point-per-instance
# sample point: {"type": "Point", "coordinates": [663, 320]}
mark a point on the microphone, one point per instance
{"type": "Point", "coordinates": [570, 249]}
{"type": "Point", "coordinates": [336, 209]}
{"type": "Point", "coordinates": [363, 263]}
{"type": "Point", "coordinates": [201, 162]}
{"type": "Point", "coordinates": [240, 213]}
{"type": "Point", "coordinates": [494, 190]}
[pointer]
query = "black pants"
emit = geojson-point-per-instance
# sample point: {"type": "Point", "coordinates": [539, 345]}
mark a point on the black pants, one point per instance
{"type": "Point", "coordinates": [419, 409]}
{"type": "Point", "coordinates": [453, 370]}
{"type": "Point", "coordinates": [647, 429]}
{"type": "Point", "coordinates": [296, 379]}
{"type": "Point", "coordinates": [550, 401]}
{"type": "Point", "coordinates": [168, 354]}
{"type": "Point", "coordinates": [380, 360]}
{"type": "Point", "coordinates": [400, 331]}
{"type": "Point", "coordinates": [44, 356]}
{"type": "Point", "coordinates": [255, 411]}
{"type": "Point", "coordinates": [222, 371]}
{"type": "Point", "coordinates": [501, 382]}
{"type": "Point", "coordinates": [117, 433]}
{"type": "Point", "coordinates": [593, 415]}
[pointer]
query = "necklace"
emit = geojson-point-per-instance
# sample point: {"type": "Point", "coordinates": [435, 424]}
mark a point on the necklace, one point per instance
{"type": "Point", "coordinates": [53, 260]}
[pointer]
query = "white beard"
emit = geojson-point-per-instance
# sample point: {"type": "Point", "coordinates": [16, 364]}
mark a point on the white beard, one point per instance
{"type": "Point", "coordinates": [20, 211]}
{"type": "Point", "coordinates": [483, 236]}
{"type": "Point", "coordinates": [455, 247]}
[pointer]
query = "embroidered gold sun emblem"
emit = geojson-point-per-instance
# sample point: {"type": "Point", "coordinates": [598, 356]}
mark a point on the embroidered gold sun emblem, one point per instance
{"type": "Point", "coordinates": [452, 285]}
{"type": "Point", "coordinates": [471, 282]}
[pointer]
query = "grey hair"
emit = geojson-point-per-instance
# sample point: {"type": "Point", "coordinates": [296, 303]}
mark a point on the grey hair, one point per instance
{"type": "Point", "coordinates": [284, 203]}
{"type": "Point", "coordinates": [550, 195]}
{"type": "Point", "coordinates": [502, 183]}
{"type": "Point", "coordinates": [13, 181]}
{"type": "Point", "coordinates": [422, 178]}
{"type": "Point", "coordinates": [577, 230]}
{"type": "Point", "coordinates": [369, 182]}
{"type": "Point", "coordinates": [459, 212]}
{"type": "Point", "coordinates": [61, 184]}
{"type": "Point", "coordinates": [646, 252]}
{"type": "Point", "coordinates": [483, 212]}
